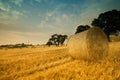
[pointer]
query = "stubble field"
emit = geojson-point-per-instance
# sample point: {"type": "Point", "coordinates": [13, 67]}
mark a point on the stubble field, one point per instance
{"type": "Point", "coordinates": [54, 63]}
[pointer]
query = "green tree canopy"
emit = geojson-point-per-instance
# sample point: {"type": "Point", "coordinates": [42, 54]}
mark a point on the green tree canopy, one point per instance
{"type": "Point", "coordinates": [81, 28]}
{"type": "Point", "coordinates": [108, 21]}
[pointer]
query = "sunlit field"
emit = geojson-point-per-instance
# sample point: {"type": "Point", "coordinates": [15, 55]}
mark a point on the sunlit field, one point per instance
{"type": "Point", "coordinates": [54, 63]}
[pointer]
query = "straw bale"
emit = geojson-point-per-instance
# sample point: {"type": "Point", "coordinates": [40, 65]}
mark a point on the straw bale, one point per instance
{"type": "Point", "coordinates": [88, 44]}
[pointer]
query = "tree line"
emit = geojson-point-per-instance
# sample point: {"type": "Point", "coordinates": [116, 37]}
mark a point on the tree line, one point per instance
{"type": "Point", "coordinates": [21, 45]}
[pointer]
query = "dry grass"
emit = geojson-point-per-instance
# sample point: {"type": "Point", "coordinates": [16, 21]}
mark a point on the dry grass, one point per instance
{"type": "Point", "coordinates": [54, 63]}
{"type": "Point", "coordinates": [115, 38]}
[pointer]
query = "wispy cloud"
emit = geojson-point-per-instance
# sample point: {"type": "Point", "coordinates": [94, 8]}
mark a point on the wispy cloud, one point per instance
{"type": "Point", "coordinates": [11, 17]}
{"type": "Point", "coordinates": [54, 22]}
{"type": "Point", "coordinates": [17, 2]}
{"type": "Point", "coordinates": [12, 37]}
{"type": "Point", "coordinates": [38, 1]}
{"type": "Point", "coordinates": [16, 14]}
{"type": "Point", "coordinates": [4, 7]}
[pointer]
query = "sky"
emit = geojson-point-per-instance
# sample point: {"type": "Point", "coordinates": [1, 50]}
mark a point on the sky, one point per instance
{"type": "Point", "coordinates": [34, 21]}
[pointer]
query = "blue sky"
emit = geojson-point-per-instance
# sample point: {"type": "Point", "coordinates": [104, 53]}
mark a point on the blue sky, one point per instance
{"type": "Point", "coordinates": [34, 21]}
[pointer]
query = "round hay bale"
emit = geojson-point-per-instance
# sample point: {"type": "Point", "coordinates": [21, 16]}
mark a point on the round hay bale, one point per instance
{"type": "Point", "coordinates": [89, 44]}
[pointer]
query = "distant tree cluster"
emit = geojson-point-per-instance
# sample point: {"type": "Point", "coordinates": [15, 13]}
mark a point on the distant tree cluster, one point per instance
{"type": "Point", "coordinates": [81, 28]}
{"type": "Point", "coordinates": [22, 45]}
{"type": "Point", "coordinates": [56, 39]}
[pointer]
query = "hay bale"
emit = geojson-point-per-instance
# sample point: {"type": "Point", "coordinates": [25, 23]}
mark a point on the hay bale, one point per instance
{"type": "Point", "coordinates": [89, 44]}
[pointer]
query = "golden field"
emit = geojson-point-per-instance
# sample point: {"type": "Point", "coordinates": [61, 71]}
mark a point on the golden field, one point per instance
{"type": "Point", "coordinates": [54, 63]}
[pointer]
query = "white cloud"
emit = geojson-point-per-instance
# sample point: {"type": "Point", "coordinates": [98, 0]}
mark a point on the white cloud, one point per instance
{"type": "Point", "coordinates": [8, 37]}
{"type": "Point", "coordinates": [17, 2]}
{"type": "Point", "coordinates": [4, 16]}
{"type": "Point", "coordinates": [41, 1]}
{"type": "Point", "coordinates": [11, 17]}
{"type": "Point", "coordinates": [86, 17]}
{"type": "Point", "coordinates": [55, 22]}
{"type": "Point", "coordinates": [13, 37]}
{"type": "Point", "coordinates": [8, 14]}
{"type": "Point", "coordinates": [16, 14]}
{"type": "Point", "coordinates": [49, 14]}
{"type": "Point", "coordinates": [4, 7]}
{"type": "Point", "coordinates": [38, 1]}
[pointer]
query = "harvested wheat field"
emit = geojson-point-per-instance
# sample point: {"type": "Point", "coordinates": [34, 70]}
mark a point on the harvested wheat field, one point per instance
{"type": "Point", "coordinates": [54, 63]}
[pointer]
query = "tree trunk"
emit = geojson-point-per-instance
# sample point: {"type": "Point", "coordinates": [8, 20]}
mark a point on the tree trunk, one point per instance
{"type": "Point", "coordinates": [108, 36]}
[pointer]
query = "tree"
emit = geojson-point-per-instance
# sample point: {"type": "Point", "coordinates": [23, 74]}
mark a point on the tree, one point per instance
{"type": "Point", "coordinates": [61, 39]}
{"type": "Point", "coordinates": [56, 39]}
{"type": "Point", "coordinates": [49, 43]}
{"type": "Point", "coordinates": [81, 28]}
{"type": "Point", "coordinates": [108, 21]}
{"type": "Point", "coordinates": [64, 37]}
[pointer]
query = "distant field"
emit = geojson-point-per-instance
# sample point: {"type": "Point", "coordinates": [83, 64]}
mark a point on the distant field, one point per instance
{"type": "Point", "coordinates": [115, 38]}
{"type": "Point", "coordinates": [54, 63]}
